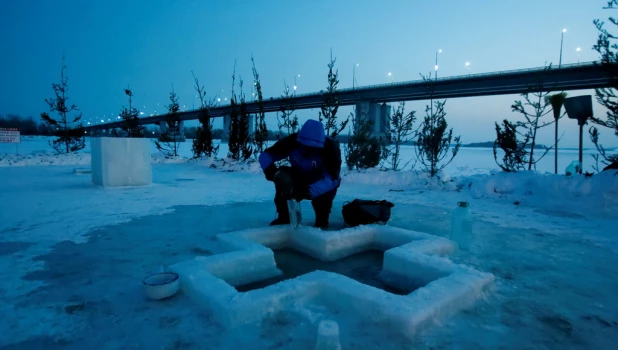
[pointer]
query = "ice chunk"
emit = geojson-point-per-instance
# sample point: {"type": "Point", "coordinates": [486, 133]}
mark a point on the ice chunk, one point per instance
{"type": "Point", "coordinates": [407, 269]}
{"type": "Point", "coordinates": [117, 161]}
{"type": "Point", "coordinates": [200, 286]}
{"type": "Point", "coordinates": [275, 237]}
{"type": "Point", "coordinates": [332, 245]}
{"type": "Point", "coordinates": [328, 336]}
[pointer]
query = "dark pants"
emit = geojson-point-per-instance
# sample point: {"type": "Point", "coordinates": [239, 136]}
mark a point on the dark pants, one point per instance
{"type": "Point", "coordinates": [285, 180]}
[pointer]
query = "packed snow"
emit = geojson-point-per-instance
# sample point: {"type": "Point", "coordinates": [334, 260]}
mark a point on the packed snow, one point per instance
{"type": "Point", "coordinates": [73, 255]}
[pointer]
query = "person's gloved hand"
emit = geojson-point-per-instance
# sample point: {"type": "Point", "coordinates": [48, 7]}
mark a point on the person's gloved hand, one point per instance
{"type": "Point", "coordinates": [270, 172]}
{"type": "Point", "coordinates": [301, 192]}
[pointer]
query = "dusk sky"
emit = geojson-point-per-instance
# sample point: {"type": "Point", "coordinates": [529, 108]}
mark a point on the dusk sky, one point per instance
{"type": "Point", "coordinates": [150, 45]}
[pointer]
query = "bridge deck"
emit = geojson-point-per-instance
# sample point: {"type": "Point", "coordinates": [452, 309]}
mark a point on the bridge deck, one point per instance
{"type": "Point", "coordinates": [588, 75]}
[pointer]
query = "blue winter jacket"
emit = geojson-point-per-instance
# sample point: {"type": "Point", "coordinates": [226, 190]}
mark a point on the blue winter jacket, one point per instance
{"type": "Point", "coordinates": [320, 168]}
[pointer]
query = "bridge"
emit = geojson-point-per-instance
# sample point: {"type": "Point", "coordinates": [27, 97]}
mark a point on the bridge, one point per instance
{"type": "Point", "coordinates": [588, 75]}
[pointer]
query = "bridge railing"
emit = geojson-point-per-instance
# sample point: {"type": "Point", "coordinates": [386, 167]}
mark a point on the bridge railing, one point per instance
{"type": "Point", "coordinates": [453, 77]}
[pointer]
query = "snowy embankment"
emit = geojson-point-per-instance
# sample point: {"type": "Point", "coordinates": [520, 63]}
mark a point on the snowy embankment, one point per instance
{"type": "Point", "coordinates": [599, 191]}
{"type": "Point", "coordinates": [476, 174]}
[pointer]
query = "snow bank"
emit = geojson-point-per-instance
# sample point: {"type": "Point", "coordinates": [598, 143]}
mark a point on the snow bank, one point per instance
{"type": "Point", "coordinates": [547, 189]}
{"type": "Point", "coordinates": [230, 165]}
{"type": "Point", "coordinates": [401, 180]}
{"type": "Point", "coordinates": [542, 189]}
{"type": "Point", "coordinates": [44, 158]}
{"type": "Point", "coordinates": [83, 158]}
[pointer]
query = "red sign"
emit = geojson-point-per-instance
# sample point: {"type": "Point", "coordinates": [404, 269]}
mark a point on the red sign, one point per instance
{"type": "Point", "coordinates": [9, 135]}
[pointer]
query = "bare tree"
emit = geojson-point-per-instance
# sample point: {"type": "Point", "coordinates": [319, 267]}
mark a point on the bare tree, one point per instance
{"type": "Point", "coordinates": [69, 130]}
{"type": "Point", "coordinates": [607, 47]}
{"type": "Point", "coordinates": [535, 107]}
{"type": "Point", "coordinates": [608, 159]}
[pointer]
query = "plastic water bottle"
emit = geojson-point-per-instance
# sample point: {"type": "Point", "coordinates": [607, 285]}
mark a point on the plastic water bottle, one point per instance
{"type": "Point", "coordinates": [296, 216]}
{"type": "Point", "coordinates": [461, 225]}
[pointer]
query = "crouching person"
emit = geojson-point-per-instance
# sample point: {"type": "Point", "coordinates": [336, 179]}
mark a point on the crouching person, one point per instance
{"type": "Point", "coordinates": [314, 174]}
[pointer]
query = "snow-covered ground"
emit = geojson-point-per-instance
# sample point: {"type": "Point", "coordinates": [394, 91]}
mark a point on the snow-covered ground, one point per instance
{"type": "Point", "coordinates": [72, 256]}
{"type": "Point", "coordinates": [35, 150]}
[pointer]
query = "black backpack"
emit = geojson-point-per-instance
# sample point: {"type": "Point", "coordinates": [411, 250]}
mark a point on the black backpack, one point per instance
{"type": "Point", "coordinates": [365, 212]}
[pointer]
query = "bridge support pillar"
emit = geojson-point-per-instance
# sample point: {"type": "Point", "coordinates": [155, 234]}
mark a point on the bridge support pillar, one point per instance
{"type": "Point", "coordinates": [181, 135]}
{"type": "Point", "coordinates": [227, 121]}
{"type": "Point", "coordinates": [376, 113]}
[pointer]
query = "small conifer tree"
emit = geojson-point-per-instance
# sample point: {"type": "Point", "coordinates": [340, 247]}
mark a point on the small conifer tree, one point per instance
{"type": "Point", "coordinates": [260, 132]}
{"type": "Point", "coordinates": [515, 151]}
{"type": "Point", "coordinates": [203, 143]}
{"type": "Point", "coordinates": [399, 132]}
{"type": "Point", "coordinates": [169, 140]}
{"type": "Point", "coordinates": [286, 122]}
{"type": "Point", "coordinates": [239, 141]}
{"type": "Point", "coordinates": [363, 149]}
{"type": "Point", "coordinates": [330, 106]}
{"type": "Point", "coordinates": [68, 130]}
{"type": "Point", "coordinates": [130, 118]}
{"type": "Point", "coordinates": [434, 141]}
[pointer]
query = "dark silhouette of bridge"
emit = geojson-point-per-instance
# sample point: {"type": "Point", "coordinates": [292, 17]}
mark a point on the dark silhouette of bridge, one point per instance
{"type": "Point", "coordinates": [589, 75]}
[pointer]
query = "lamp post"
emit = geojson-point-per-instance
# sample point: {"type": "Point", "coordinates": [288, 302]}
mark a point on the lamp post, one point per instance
{"type": "Point", "coordinates": [580, 108]}
{"type": "Point", "coordinates": [468, 66]}
{"type": "Point", "coordinates": [578, 50]}
{"type": "Point", "coordinates": [436, 66]}
{"type": "Point", "coordinates": [391, 76]}
{"type": "Point", "coordinates": [295, 85]}
{"type": "Point", "coordinates": [561, 41]}
{"type": "Point", "coordinates": [354, 75]}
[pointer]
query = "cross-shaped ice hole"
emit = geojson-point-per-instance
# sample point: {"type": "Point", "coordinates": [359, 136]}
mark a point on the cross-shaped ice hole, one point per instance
{"type": "Point", "coordinates": [411, 260]}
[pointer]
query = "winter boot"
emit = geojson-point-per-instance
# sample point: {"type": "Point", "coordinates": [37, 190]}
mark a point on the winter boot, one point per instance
{"type": "Point", "coordinates": [322, 206]}
{"type": "Point", "coordinates": [283, 216]}
{"type": "Point", "coordinates": [321, 219]}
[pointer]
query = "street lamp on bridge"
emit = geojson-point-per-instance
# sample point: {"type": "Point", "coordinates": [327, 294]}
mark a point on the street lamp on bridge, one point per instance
{"type": "Point", "coordinates": [295, 84]}
{"type": "Point", "coordinates": [436, 66]}
{"type": "Point", "coordinates": [561, 41]}
{"type": "Point", "coordinates": [354, 75]}
{"type": "Point", "coordinates": [578, 50]}
{"type": "Point", "coordinates": [468, 66]}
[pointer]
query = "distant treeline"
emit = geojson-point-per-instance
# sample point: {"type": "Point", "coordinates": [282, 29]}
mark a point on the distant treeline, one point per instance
{"type": "Point", "coordinates": [27, 126]}
{"type": "Point", "coordinates": [490, 144]}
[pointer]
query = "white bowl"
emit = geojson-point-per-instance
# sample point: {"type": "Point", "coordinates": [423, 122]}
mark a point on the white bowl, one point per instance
{"type": "Point", "coordinates": [161, 285]}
